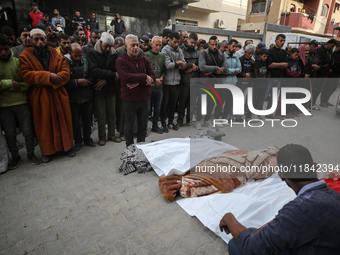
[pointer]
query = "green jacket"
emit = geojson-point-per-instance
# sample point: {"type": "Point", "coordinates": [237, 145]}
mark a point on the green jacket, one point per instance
{"type": "Point", "coordinates": [158, 64]}
{"type": "Point", "coordinates": [9, 71]}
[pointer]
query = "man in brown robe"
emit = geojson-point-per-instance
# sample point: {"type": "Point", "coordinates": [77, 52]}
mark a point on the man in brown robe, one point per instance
{"type": "Point", "coordinates": [47, 72]}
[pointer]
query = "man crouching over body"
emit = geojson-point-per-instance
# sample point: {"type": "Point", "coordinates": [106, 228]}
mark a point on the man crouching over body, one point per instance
{"type": "Point", "coordinates": [137, 76]}
{"type": "Point", "coordinates": [307, 225]}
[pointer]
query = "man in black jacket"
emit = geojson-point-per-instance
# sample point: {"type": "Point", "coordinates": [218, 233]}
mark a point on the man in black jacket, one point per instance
{"type": "Point", "coordinates": [325, 56]}
{"type": "Point", "coordinates": [77, 21]}
{"type": "Point", "coordinates": [248, 64]}
{"type": "Point", "coordinates": [212, 64]}
{"type": "Point", "coordinates": [92, 22]}
{"type": "Point", "coordinates": [333, 80]}
{"type": "Point", "coordinates": [94, 37]}
{"type": "Point", "coordinates": [80, 92]}
{"type": "Point", "coordinates": [119, 25]}
{"type": "Point", "coordinates": [102, 60]}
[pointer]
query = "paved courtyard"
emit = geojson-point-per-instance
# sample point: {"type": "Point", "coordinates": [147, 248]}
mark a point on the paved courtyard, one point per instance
{"type": "Point", "coordinates": [83, 205]}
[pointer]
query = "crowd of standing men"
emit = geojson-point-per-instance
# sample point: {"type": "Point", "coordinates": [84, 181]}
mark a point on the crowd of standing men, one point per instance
{"type": "Point", "coordinates": [67, 77]}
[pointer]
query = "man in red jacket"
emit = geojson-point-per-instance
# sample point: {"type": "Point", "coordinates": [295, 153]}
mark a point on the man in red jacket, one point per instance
{"type": "Point", "coordinates": [35, 15]}
{"type": "Point", "coordinates": [137, 77]}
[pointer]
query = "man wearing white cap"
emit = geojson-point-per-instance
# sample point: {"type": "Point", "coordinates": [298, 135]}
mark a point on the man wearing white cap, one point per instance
{"type": "Point", "coordinates": [47, 72]}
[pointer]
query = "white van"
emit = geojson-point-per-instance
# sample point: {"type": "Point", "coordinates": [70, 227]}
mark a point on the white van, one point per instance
{"type": "Point", "coordinates": [292, 38]}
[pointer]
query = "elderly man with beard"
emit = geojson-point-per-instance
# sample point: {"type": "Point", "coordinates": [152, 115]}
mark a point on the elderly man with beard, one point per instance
{"type": "Point", "coordinates": [24, 32]}
{"type": "Point", "coordinates": [47, 72]}
{"type": "Point", "coordinates": [102, 59]}
{"type": "Point", "coordinates": [94, 37]}
{"type": "Point", "coordinates": [137, 76]}
{"type": "Point", "coordinates": [64, 44]}
{"type": "Point", "coordinates": [80, 91]}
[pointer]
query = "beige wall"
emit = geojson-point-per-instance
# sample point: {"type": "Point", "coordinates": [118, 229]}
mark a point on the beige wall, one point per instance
{"type": "Point", "coordinates": [207, 12]}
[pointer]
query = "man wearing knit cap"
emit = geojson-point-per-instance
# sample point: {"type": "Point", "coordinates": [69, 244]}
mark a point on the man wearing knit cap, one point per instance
{"type": "Point", "coordinates": [47, 72]}
{"type": "Point", "coordinates": [24, 34]}
{"type": "Point", "coordinates": [35, 15]}
{"type": "Point", "coordinates": [144, 43]}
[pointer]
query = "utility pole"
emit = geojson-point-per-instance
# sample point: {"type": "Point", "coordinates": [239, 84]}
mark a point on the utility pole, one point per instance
{"type": "Point", "coordinates": [268, 5]}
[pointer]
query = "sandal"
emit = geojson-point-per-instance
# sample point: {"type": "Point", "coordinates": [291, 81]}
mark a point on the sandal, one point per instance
{"type": "Point", "coordinates": [122, 138]}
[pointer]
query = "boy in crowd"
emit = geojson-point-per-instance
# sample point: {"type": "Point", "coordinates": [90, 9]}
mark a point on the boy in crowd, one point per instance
{"type": "Point", "coordinates": [259, 88]}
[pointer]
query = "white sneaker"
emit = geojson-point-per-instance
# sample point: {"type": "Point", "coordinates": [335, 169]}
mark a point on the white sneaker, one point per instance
{"type": "Point", "coordinates": [316, 108]}
{"type": "Point", "coordinates": [198, 125]}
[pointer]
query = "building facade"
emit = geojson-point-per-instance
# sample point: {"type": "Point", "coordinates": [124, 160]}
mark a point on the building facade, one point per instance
{"type": "Point", "coordinates": [311, 17]}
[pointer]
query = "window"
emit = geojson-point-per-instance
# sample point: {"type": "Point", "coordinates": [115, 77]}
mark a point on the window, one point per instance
{"type": "Point", "coordinates": [258, 6]}
{"type": "Point", "coordinates": [324, 10]}
{"type": "Point", "coordinates": [186, 22]}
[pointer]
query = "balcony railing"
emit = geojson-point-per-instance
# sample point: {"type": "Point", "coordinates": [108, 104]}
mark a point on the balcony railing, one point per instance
{"type": "Point", "coordinates": [297, 20]}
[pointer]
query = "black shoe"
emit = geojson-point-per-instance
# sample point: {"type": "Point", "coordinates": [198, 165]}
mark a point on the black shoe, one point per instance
{"type": "Point", "coordinates": [14, 163]}
{"type": "Point", "coordinates": [46, 158]}
{"type": "Point", "coordinates": [179, 122]}
{"type": "Point", "coordinates": [34, 159]}
{"type": "Point", "coordinates": [157, 130]}
{"type": "Point", "coordinates": [90, 143]}
{"type": "Point", "coordinates": [71, 153]}
{"type": "Point", "coordinates": [173, 126]}
{"type": "Point", "coordinates": [165, 129]}
{"type": "Point", "coordinates": [77, 147]}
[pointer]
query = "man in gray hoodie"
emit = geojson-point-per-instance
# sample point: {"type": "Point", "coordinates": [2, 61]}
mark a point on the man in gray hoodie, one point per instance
{"type": "Point", "coordinates": [174, 61]}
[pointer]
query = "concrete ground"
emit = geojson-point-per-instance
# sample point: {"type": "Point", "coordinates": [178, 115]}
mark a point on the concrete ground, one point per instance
{"type": "Point", "coordinates": [83, 205]}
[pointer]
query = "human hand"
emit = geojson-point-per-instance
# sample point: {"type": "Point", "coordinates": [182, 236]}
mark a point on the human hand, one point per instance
{"type": "Point", "coordinates": [224, 223]}
{"type": "Point", "coordinates": [131, 86]}
{"type": "Point", "coordinates": [149, 80]}
{"type": "Point", "coordinates": [84, 82]}
{"type": "Point", "coordinates": [16, 86]}
{"type": "Point", "coordinates": [100, 84]}
{"type": "Point", "coordinates": [117, 77]}
{"type": "Point", "coordinates": [248, 75]}
{"type": "Point", "coordinates": [219, 70]}
{"type": "Point", "coordinates": [157, 83]}
{"type": "Point", "coordinates": [55, 78]}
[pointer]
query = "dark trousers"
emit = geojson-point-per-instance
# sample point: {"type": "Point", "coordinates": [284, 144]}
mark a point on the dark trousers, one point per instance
{"type": "Point", "coordinates": [131, 110]}
{"type": "Point", "coordinates": [170, 97]}
{"type": "Point", "coordinates": [184, 102]}
{"type": "Point", "coordinates": [156, 98]}
{"type": "Point", "coordinates": [81, 112]}
{"type": "Point", "coordinates": [105, 106]}
{"type": "Point", "coordinates": [9, 117]}
{"type": "Point", "coordinates": [328, 89]}
{"type": "Point", "coordinates": [317, 85]}
{"type": "Point", "coordinates": [196, 103]}
{"type": "Point", "coordinates": [234, 250]}
{"type": "Point", "coordinates": [259, 95]}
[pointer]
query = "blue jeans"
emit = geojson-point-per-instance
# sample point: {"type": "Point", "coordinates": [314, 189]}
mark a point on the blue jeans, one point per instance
{"type": "Point", "coordinates": [9, 116]}
{"type": "Point", "coordinates": [272, 83]}
{"type": "Point", "coordinates": [156, 97]}
{"type": "Point", "coordinates": [131, 110]}
{"type": "Point", "coordinates": [234, 250]}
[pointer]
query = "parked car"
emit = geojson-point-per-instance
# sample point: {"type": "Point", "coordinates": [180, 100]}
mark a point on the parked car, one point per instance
{"type": "Point", "coordinates": [337, 106]}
